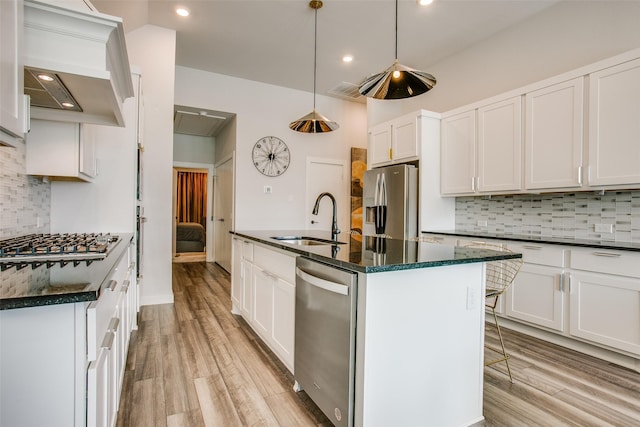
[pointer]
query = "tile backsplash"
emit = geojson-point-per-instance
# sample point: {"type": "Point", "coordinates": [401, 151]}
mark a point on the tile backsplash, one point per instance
{"type": "Point", "coordinates": [566, 215]}
{"type": "Point", "coordinates": [25, 201]}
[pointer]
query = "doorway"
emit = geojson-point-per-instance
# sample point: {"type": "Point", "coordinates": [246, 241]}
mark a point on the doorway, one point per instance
{"type": "Point", "coordinates": [333, 173]}
{"type": "Point", "coordinates": [223, 212]}
{"type": "Point", "coordinates": [192, 207]}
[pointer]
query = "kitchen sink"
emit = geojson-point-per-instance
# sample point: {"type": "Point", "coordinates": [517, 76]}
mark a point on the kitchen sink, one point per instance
{"type": "Point", "coordinates": [306, 240]}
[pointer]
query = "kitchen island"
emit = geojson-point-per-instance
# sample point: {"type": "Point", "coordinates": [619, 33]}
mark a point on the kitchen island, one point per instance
{"type": "Point", "coordinates": [419, 320]}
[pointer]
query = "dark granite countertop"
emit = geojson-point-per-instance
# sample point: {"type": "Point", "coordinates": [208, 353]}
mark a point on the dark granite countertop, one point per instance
{"type": "Point", "coordinates": [598, 244]}
{"type": "Point", "coordinates": [31, 287]}
{"type": "Point", "coordinates": [367, 254]}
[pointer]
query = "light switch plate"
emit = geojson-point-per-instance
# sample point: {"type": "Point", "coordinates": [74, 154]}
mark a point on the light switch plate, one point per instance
{"type": "Point", "coordinates": [603, 228]}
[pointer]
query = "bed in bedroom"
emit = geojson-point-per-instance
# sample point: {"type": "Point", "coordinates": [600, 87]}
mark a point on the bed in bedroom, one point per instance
{"type": "Point", "coordinates": [190, 237]}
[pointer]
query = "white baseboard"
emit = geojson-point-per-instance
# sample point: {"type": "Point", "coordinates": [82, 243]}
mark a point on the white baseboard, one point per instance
{"type": "Point", "coordinates": [156, 299]}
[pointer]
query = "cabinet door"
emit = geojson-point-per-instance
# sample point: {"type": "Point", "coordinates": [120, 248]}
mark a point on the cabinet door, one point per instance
{"type": "Point", "coordinates": [284, 313]}
{"type": "Point", "coordinates": [536, 296]}
{"type": "Point", "coordinates": [263, 284]}
{"type": "Point", "coordinates": [614, 109]}
{"type": "Point", "coordinates": [236, 274]}
{"type": "Point", "coordinates": [12, 75]}
{"type": "Point", "coordinates": [458, 154]}
{"type": "Point", "coordinates": [379, 144]}
{"type": "Point", "coordinates": [247, 291]}
{"type": "Point", "coordinates": [605, 309]}
{"type": "Point", "coordinates": [554, 136]}
{"type": "Point", "coordinates": [500, 146]}
{"type": "Point", "coordinates": [99, 387]}
{"type": "Point", "coordinates": [404, 140]}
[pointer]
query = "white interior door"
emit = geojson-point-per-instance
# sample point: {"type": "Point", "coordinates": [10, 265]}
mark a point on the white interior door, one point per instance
{"type": "Point", "coordinates": [328, 175]}
{"type": "Point", "coordinates": [223, 213]}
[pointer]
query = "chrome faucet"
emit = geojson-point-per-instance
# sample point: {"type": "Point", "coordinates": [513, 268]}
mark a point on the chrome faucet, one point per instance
{"type": "Point", "coordinates": [334, 227]}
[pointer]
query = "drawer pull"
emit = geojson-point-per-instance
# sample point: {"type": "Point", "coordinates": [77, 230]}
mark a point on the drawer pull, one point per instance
{"type": "Point", "coordinates": [561, 282]}
{"type": "Point", "coordinates": [125, 286]}
{"type": "Point", "coordinates": [537, 248]}
{"type": "Point", "coordinates": [107, 342]}
{"type": "Point", "coordinates": [607, 254]}
{"type": "Point", "coordinates": [112, 285]}
{"type": "Point", "coordinates": [113, 325]}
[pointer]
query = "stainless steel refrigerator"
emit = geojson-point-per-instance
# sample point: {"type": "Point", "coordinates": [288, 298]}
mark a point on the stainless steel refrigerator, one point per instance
{"type": "Point", "coordinates": [390, 201]}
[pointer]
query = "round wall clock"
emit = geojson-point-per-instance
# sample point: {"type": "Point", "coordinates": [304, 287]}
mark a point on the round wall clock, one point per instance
{"type": "Point", "coordinates": [271, 156]}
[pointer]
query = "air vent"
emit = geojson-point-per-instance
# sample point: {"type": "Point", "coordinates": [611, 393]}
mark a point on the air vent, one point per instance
{"type": "Point", "coordinates": [347, 91]}
{"type": "Point", "coordinates": [199, 122]}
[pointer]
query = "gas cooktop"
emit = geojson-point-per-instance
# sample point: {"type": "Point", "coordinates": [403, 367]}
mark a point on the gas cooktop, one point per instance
{"type": "Point", "coordinates": [38, 249]}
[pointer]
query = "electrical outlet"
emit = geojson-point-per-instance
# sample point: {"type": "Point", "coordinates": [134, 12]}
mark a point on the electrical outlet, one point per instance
{"type": "Point", "coordinates": [603, 228]}
{"type": "Point", "coordinates": [472, 298]}
{"type": "Point", "coordinates": [268, 189]}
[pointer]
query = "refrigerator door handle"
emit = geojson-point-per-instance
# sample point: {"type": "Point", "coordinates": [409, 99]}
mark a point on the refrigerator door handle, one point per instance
{"type": "Point", "coordinates": [377, 191]}
{"type": "Point", "coordinates": [383, 191]}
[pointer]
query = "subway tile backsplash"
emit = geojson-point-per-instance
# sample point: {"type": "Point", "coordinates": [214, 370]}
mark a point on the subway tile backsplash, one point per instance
{"type": "Point", "coordinates": [25, 201]}
{"type": "Point", "coordinates": [566, 215]}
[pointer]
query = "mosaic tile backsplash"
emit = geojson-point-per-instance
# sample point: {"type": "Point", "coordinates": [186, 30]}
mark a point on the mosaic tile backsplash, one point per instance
{"type": "Point", "coordinates": [25, 201]}
{"type": "Point", "coordinates": [566, 215]}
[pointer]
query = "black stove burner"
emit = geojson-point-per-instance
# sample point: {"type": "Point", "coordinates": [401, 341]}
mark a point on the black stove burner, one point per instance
{"type": "Point", "coordinates": [35, 249]}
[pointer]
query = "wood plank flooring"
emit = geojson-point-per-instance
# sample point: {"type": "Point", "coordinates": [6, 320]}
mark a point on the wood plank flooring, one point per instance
{"type": "Point", "coordinates": [193, 363]}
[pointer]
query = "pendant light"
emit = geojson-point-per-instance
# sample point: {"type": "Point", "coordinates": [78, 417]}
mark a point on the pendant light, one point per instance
{"type": "Point", "coordinates": [397, 81]}
{"type": "Point", "coordinates": [314, 122]}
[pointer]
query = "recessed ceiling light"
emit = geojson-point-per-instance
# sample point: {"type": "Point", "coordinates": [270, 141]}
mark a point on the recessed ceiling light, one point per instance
{"type": "Point", "coordinates": [182, 11]}
{"type": "Point", "coordinates": [68, 105]}
{"type": "Point", "coordinates": [424, 2]}
{"type": "Point", "coordinates": [45, 77]}
{"type": "Point", "coordinates": [347, 58]}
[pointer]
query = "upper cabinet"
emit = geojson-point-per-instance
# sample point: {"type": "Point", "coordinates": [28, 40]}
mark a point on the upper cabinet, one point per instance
{"type": "Point", "coordinates": [61, 150]}
{"type": "Point", "coordinates": [13, 116]}
{"type": "Point", "coordinates": [84, 57]}
{"type": "Point", "coordinates": [553, 141]}
{"type": "Point", "coordinates": [395, 141]}
{"type": "Point", "coordinates": [481, 149]}
{"type": "Point", "coordinates": [580, 130]}
{"type": "Point", "coordinates": [614, 125]}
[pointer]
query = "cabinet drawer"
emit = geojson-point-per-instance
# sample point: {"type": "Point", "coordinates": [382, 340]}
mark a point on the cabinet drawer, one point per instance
{"type": "Point", "coordinates": [533, 253]}
{"type": "Point", "coordinates": [277, 263]}
{"type": "Point", "coordinates": [620, 263]}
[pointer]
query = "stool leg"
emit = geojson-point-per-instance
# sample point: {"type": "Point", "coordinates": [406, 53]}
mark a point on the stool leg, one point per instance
{"type": "Point", "coordinates": [504, 351]}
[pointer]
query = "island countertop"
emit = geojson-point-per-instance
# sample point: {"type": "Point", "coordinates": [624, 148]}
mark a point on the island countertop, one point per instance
{"type": "Point", "coordinates": [43, 285]}
{"type": "Point", "coordinates": [369, 254]}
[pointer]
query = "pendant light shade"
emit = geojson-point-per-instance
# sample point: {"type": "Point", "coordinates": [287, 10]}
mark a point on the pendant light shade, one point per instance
{"type": "Point", "coordinates": [397, 81]}
{"type": "Point", "coordinates": [314, 122]}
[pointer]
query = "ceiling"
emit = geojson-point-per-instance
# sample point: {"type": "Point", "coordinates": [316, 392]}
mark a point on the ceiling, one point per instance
{"type": "Point", "coordinates": [273, 41]}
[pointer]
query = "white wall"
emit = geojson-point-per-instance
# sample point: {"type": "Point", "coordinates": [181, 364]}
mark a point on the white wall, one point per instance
{"type": "Point", "coordinates": [563, 37]}
{"type": "Point", "coordinates": [153, 49]}
{"type": "Point", "coordinates": [194, 149]}
{"type": "Point", "coordinates": [267, 110]}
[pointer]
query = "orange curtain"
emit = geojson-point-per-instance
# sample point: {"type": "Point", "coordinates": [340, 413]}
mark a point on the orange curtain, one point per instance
{"type": "Point", "coordinates": [192, 197]}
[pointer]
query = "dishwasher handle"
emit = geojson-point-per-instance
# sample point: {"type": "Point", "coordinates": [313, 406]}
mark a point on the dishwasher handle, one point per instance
{"type": "Point", "coordinates": [322, 283]}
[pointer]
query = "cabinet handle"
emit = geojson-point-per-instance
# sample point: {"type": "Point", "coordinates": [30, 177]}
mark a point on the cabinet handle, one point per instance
{"type": "Point", "coordinates": [537, 248]}
{"type": "Point", "coordinates": [113, 325]}
{"type": "Point", "coordinates": [125, 285]}
{"type": "Point", "coordinates": [273, 276]}
{"type": "Point", "coordinates": [607, 254]}
{"type": "Point", "coordinates": [112, 285]}
{"type": "Point", "coordinates": [107, 342]}
{"type": "Point", "coordinates": [579, 175]}
{"type": "Point", "coordinates": [570, 284]}
{"type": "Point", "coordinates": [561, 282]}
{"type": "Point", "coordinates": [390, 153]}
{"type": "Point", "coordinates": [473, 183]}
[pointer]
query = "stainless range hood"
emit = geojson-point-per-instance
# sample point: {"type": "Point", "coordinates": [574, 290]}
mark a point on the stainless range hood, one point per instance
{"type": "Point", "coordinates": [85, 54]}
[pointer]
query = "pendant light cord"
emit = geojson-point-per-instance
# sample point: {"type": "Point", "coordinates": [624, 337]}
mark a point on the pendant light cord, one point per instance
{"type": "Point", "coordinates": [315, 56]}
{"type": "Point", "coordinates": [396, 29]}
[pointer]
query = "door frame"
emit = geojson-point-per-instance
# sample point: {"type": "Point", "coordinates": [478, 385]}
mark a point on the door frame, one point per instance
{"type": "Point", "coordinates": [344, 196]}
{"type": "Point", "coordinates": [210, 174]}
{"type": "Point", "coordinates": [230, 157]}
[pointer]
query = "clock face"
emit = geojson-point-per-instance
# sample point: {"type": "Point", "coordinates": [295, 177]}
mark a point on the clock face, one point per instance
{"type": "Point", "coordinates": [271, 156]}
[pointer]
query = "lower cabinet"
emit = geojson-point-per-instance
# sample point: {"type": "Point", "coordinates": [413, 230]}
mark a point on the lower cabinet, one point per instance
{"type": "Point", "coordinates": [537, 293]}
{"type": "Point", "coordinates": [605, 307]}
{"type": "Point", "coordinates": [264, 293]}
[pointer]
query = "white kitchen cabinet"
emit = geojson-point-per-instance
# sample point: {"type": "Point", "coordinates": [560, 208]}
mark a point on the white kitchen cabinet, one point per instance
{"type": "Point", "coordinates": [554, 136]}
{"type": "Point", "coordinates": [61, 150]}
{"type": "Point", "coordinates": [273, 304]}
{"type": "Point", "coordinates": [13, 110]}
{"type": "Point", "coordinates": [241, 278]}
{"type": "Point", "coordinates": [482, 149]}
{"type": "Point", "coordinates": [394, 141]}
{"type": "Point", "coordinates": [605, 298]}
{"type": "Point", "coordinates": [499, 154]}
{"type": "Point", "coordinates": [614, 108]}
{"type": "Point", "coordinates": [537, 294]}
{"type": "Point", "coordinates": [458, 154]}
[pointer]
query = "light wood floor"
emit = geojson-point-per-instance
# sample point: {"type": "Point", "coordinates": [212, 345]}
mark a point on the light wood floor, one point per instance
{"type": "Point", "coordinates": [193, 363]}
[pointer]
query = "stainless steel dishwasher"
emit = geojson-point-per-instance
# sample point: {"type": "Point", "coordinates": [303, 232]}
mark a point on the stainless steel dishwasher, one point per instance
{"type": "Point", "coordinates": [324, 360]}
